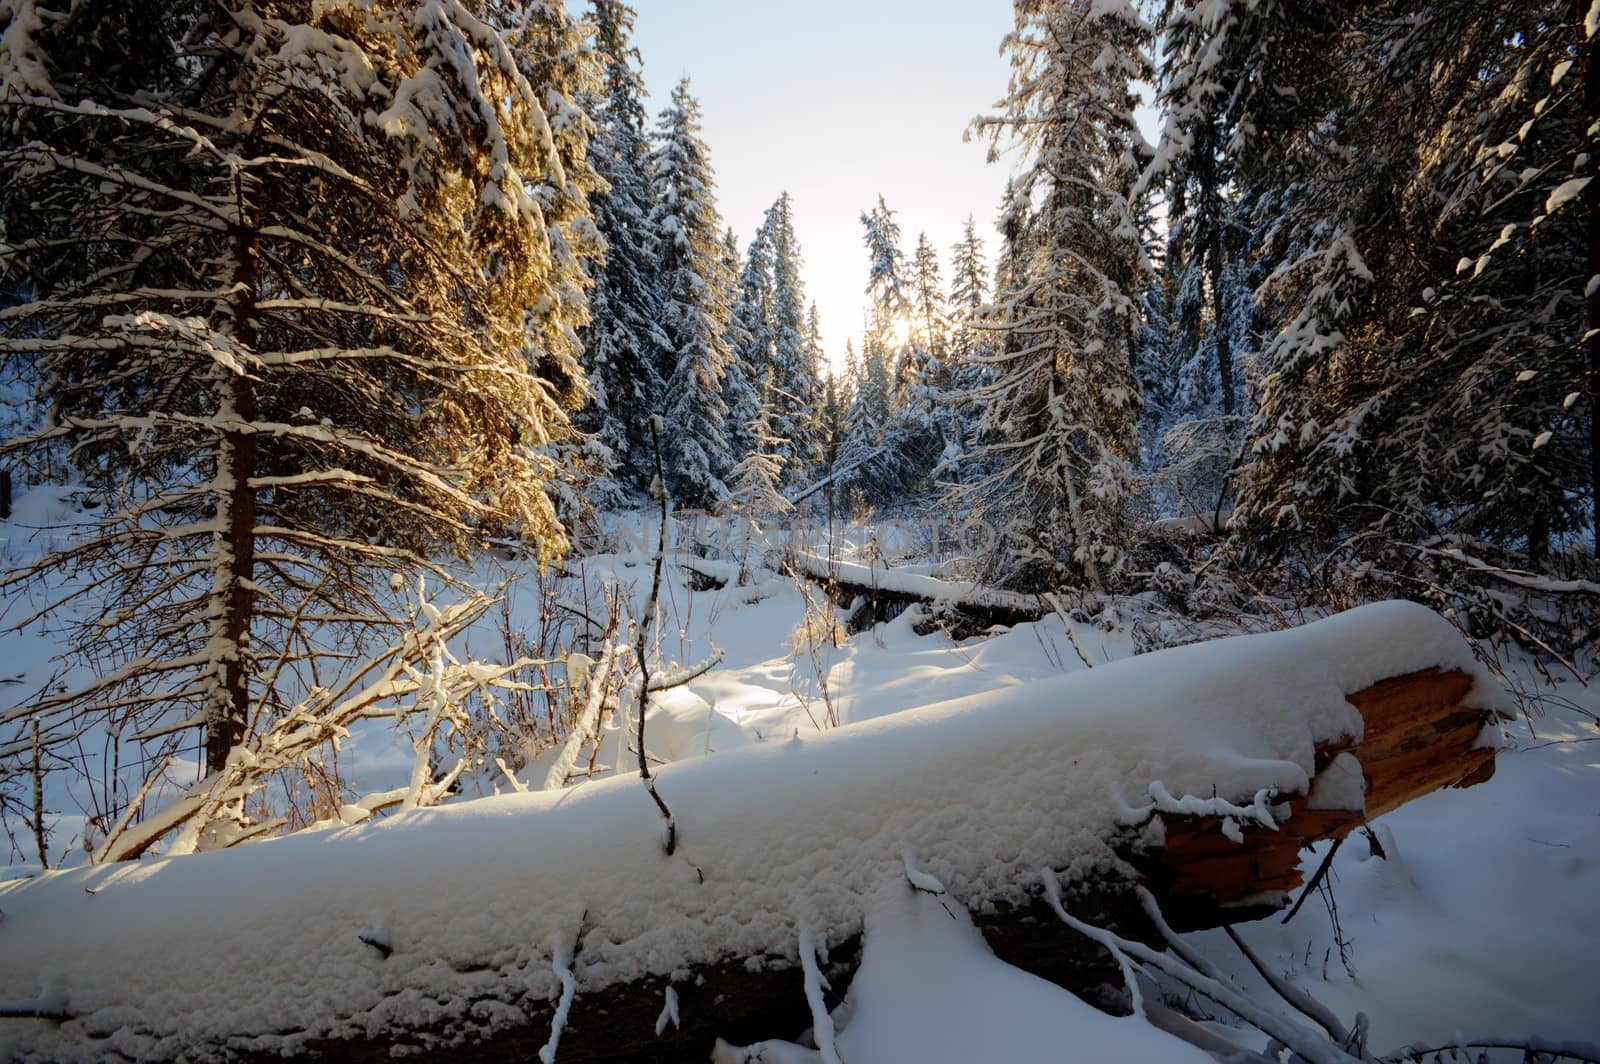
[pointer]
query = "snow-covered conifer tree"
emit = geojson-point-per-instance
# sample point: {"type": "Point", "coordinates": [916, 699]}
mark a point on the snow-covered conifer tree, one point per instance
{"type": "Point", "coordinates": [1058, 420]}
{"type": "Point", "coordinates": [931, 320]}
{"type": "Point", "coordinates": [1412, 181]}
{"type": "Point", "coordinates": [1426, 301]}
{"type": "Point", "coordinates": [888, 291]}
{"type": "Point", "coordinates": [1158, 361]}
{"type": "Point", "coordinates": [1010, 268]}
{"type": "Point", "coordinates": [1198, 335]}
{"type": "Point", "coordinates": [754, 491]}
{"type": "Point", "coordinates": [882, 454]}
{"type": "Point", "coordinates": [816, 355]}
{"type": "Point", "coordinates": [305, 284]}
{"type": "Point", "coordinates": [749, 350]}
{"type": "Point", "coordinates": [832, 418]}
{"type": "Point", "coordinates": [887, 282]}
{"type": "Point", "coordinates": [972, 335]}
{"type": "Point", "coordinates": [808, 444]}
{"type": "Point", "coordinates": [20, 411]}
{"type": "Point", "coordinates": [794, 368]}
{"type": "Point", "coordinates": [894, 445]}
{"type": "Point", "coordinates": [969, 289]}
{"type": "Point", "coordinates": [695, 318]}
{"type": "Point", "coordinates": [1203, 237]}
{"type": "Point", "coordinates": [928, 381]}
{"type": "Point", "coordinates": [623, 340]}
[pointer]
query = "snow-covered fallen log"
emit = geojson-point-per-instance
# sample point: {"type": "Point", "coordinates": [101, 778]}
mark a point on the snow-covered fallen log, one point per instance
{"type": "Point", "coordinates": [473, 924]}
{"type": "Point", "coordinates": [879, 592]}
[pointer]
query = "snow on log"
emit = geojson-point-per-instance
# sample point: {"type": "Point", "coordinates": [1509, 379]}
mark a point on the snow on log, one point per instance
{"type": "Point", "coordinates": [486, 907]}
{"type": "Point", "coordinates": [1419, 735]}
{"type": "Point", "coordinates": [882, 592]}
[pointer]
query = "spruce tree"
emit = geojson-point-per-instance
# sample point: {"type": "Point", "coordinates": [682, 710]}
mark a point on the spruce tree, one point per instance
{"type": "Point", "coordinates": [881, 456]}
{"type": "Point", "coordinates": [905, 441]}
{"type": "Point", "coordinates": [754, 491]}
{"type": "Point", "coordinates": [810, 384]}
{"type": "Point", "coordinates": [754, 480]}
{"type": "Point", "coordinates": [550, 49]}
{"type": "Point", "coordinates": [1159, 359]}
{"type": "Point", "coordinates": [794, 356]}
{"type": "Point", "coordinates": [1204, 238]}
{"type": "Point", "coordinates": [832, 419]}
{"type": "Point", "coordinates": [1417, 190]}
{"type": "Point", "coordinates": [971, 341]}
{"type": "Point", "coordinates": [1426, 301]}
{"type": "Point", "coordinates": [749, 350]}
{"type": "Point", "coordinates": [1058, 420]}
{"type": "Point", "coordinates": [624, 339]}
{"type": "Point", "coordinates": [303, 292]}
{"type": "Point", "coordinates": [969, 283]}
{"type": "Point", "coordinates": [929, 379]}
{"type": "Point", "coordinates": [888, 293]}
{"type": "Point", "coordinates": [928, 301]}
{"type": "Point", "coordinates": [695, 316]}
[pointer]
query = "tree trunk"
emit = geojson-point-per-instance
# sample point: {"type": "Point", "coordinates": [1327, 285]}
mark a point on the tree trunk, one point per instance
{"type": "Point", "coordinates": [1219, 324]}
{"type": "Point", "coordinates": [234, 550]}
{"type": "Point", "coordinates": [1081, 540]}
{"type": "Point", "coordinates": [234, 601]}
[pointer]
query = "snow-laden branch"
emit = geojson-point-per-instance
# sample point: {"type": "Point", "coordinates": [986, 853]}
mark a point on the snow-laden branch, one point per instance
{"type": "Point", "coordinates": [815, 984]}
{"type": "Point", "coordinates": [1259, 811]}
{"type": "Point", "coordinates": [1308, 1044]}
{"type": "Point", "coordinates": [417, 675]}
{"type": "Point", "coordinates": [586, 723]}
{"type": "Point", "coordinates": [561, 964]}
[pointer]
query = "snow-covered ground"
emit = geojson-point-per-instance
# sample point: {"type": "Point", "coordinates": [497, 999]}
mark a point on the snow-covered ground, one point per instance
{"type": "Point", "coordinates": [1478, 921]}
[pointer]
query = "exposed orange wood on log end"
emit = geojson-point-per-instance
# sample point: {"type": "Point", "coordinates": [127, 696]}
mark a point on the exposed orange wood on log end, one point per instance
{"type": "Point", "coordinates": [1403, 698]}
{"type": "Point", "coordinates": [1417, 739]}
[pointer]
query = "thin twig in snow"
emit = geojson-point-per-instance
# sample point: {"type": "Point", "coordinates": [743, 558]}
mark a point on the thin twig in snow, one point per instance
{"type": "Point", "coordinates": [38, 798]}
{"type": "Point", "coordinates": [1316, 878]}
{"type": "Point", "coordinates": [517, 785]}
{"type": "Point", "coordinates": [1299, 999]}
{"type": "Point", "coordinates": [1066, 622]}
{"type": "Point", "coordinates": [920, 880]}
{"type": "Point", "coordinates": [133, 809]}
{"type": "Point", "coordinates": [643, 638]}
{"type": "Point", "coordinates": [384, 949]}
{"type": "Point", "coordinates": [683, 676]}
{"type": "Point", "coordinates": [669, 1012]}
{"type": "Point", "coordinates": [588, 719]}
{"type": "Point", "coordinates": [34, 1009]}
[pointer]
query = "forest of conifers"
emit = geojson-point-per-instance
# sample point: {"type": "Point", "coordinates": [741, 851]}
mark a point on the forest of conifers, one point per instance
{"type": "Point", "coordinates": [308, 306]}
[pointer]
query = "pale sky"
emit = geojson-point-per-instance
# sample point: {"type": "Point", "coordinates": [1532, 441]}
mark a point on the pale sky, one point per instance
{"type": "Point", "coordinates": [836, 102]}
